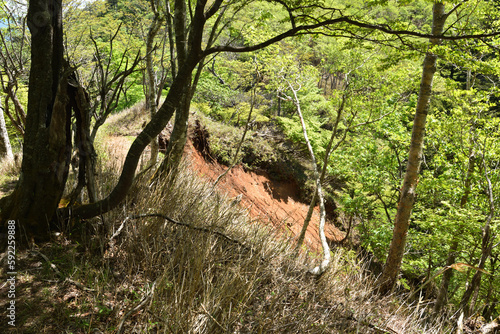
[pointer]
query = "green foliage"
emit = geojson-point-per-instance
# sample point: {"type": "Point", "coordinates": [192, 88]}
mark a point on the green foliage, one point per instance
{"type": "Point", "coordinates": [367, 90]}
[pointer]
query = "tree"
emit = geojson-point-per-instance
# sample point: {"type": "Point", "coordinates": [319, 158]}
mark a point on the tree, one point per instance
{"type": "Point", "coordinates": [408, 190]}
{"type": "Point", "coordinates": [47, 140]}
{"type": "Point", "coordinates": [151, 86]}
{"type": "Point", "coordinates": [5, 148]}
{"type": "Point", "coordinates": [47, 147]}
{"type": "Point", "coordinates": [318, 270]}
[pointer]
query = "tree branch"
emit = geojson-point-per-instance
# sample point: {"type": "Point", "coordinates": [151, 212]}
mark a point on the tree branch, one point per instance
{"type": "Point", "coordinates": [311, 27]}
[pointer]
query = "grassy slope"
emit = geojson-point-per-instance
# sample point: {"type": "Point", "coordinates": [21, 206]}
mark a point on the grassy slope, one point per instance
{"type": "Point", "coordinates": [217, 273]}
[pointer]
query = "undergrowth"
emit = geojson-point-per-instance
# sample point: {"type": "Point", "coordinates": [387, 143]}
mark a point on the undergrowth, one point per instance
{"type": "Point", "coordinates": [180, 257]}
{"type": "Point", "coordinates": [211, 270]}
{"type": "Point", "coordinates": [220, 273]}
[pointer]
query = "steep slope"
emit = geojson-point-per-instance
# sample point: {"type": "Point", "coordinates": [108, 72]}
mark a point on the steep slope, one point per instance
{"type": "Point", "coordinates": [269, 201]}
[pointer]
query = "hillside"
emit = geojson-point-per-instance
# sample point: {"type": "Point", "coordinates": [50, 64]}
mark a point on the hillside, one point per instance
{"type": "Point", "coordinates": [384, 115]}
{"type": "Point", "coordinates": [245, 278]}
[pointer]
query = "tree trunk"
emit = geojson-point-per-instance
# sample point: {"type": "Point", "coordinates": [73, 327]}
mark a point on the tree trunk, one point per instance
{"type": "Point", "coordinates": [151, 86]}
{"type": "Point", "coordinates": [47, 141]}
{"type": "Point", "coordinates": [5, 148]}
{"type": "Point", "coordinates": [408, 190]}
{"type": "Point", "coordinates": [153, 128]}
{"type": "Point", "coordinates": [178, 137]}
{"type": "Point", "coordinates": [328, 151]}
{"type": "Point", "coordinates": [318, 270]}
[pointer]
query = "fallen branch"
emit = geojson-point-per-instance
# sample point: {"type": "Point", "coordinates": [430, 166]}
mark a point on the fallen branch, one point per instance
{"type": "Point", "coordinates": [179, 223]}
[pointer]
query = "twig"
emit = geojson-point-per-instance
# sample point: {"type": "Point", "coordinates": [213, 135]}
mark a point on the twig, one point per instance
{"type": "Point", "coordinates": [143, 302]}
{"type": "Point", "coordinates": [197, 228]}
{"type": "Point", "coordinates": [211, 317]}
{"type": "Point", "coordinates": [117, 233]}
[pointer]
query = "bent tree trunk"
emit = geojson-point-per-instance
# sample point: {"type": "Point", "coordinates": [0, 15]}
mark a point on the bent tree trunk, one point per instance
{"type": "Point", "coordinates": [153, 128]}
{"type": "Point", "coordinates": [408, 190]}
{"type": "Point", "coordinates": [47, 140]}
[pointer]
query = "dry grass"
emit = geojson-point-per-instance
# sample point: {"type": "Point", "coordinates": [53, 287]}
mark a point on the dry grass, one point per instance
{"type": "Point", "coordinates": [9, 173]}
{"type": "Point", "coordinates": [250, 281]}
{"type": "Point", "coordinates": [215, 271]}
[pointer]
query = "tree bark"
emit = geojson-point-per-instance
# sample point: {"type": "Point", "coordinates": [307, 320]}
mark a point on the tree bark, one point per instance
{"type": "Point", "coordinates": [408, 190]}
{"type": "Point", "coordinates": [178, 137]}
{"type": "Point", "coordinates": [47, 141]}
{"type": "Point", "coordinates": [5, 148]}
{"type": "Point", "coordinates": [318, 270]}
{"type": "Point", "coordinates": [151, 91]}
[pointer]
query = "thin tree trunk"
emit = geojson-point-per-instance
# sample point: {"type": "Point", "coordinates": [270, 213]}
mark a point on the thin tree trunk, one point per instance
{"type": "Point", "coordinates": [5, 148]}
{"type": "Point", "coordinates": [329, 150]}
{"type": "Point", "coordinates": [171, 43]}
{"type": "Point", "coordinates": [178, 138]}
{"type": "Point", "coordinates": [151, 87]}
{"type": "Point", "coordinates": [322, 217]}
{"type": "Point", "coordinates": [408, 190]}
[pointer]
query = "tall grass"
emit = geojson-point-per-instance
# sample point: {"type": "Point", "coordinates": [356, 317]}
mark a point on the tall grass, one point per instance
{"type": "Point", "coordinates": [214, 271]}
{"type": "Point", "coordinates": [211, 269]}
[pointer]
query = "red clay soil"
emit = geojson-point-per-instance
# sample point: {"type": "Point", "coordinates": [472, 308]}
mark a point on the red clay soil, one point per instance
{"type": "Point", "coordinates": [269, 201]}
